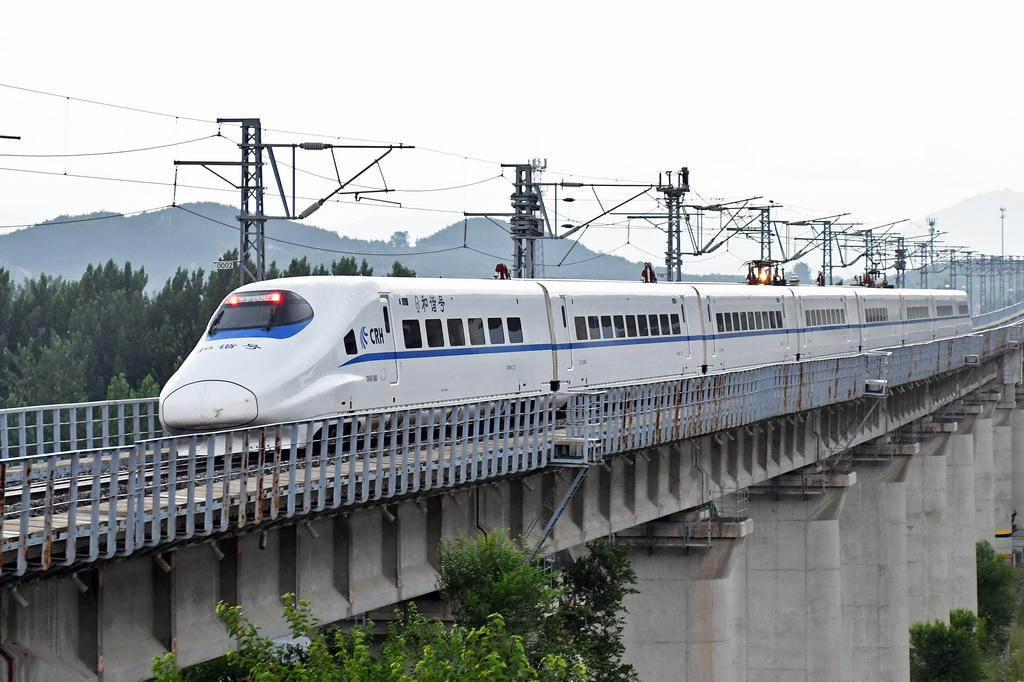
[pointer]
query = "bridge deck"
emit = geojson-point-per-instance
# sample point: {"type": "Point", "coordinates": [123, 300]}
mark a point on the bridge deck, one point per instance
{"type": "Point", "coordinates": [68, 508]}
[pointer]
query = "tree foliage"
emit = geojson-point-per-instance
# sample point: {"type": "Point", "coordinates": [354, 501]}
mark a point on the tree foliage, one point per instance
{"type": "Point", "coordinates": [997, 595]}
{"type": "Point", "coordinates": [575, 614]}
{"type": "Point", "coordinates": [106, 336]}
{"type": "Point", "coordinates": [415, 649]}
{"type": "Point", "coordinates": [947, 652]}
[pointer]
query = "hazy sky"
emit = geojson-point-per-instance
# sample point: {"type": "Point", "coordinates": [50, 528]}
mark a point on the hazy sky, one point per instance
{"type": "Point", "coordinates": [886, 110]}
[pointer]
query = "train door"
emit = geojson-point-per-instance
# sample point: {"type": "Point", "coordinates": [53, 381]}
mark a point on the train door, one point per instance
{"type": "Point", "coordinates": [705, 326]}
{"type": "Point", "coordinates": [390, 353]}
{"type": "Point", "coordinates": [684, 319]}
{"type": "Point", "coordinates": [565, 343]}
{"type": "Point", "coordinates": [561, 347]}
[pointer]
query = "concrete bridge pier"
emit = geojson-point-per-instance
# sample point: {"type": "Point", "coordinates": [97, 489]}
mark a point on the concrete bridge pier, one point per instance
{"type": "Point", "coordinates": [1016, 497]}
{"type": "Point", "coordinates": [793, 615]}
{"type": "Point", "coordinates": [687, 621]}
{"type": "Point", "coordinates": [928, 535]}
{"type": "Point", "coordinates": [873, 532]}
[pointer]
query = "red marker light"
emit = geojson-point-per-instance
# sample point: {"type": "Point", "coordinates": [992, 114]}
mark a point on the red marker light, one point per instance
{"type": "Point", "coordinates": [233, 300]}
{"type": "Point", "coordinates": [275, 297]}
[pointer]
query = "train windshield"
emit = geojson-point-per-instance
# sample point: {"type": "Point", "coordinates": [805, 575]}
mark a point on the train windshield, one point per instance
{"type": "Point", "coordinates": [260, 310]}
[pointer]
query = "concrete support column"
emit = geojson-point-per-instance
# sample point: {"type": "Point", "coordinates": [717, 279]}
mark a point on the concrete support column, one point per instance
{"type": "Point", "coordinates": [1017, 462]}
{"type": "Point", "coordinates": [984, 476]}
{"type": "Point", "coordinates": [964, 525]}
{"type": "Point", "coordinates": [1002, 467]}
{"type": "Point", "coordinates": [928, 534]}
{"type": "Point", "coordinates": [686, 623]}
{"type": "Point", "coordinates": [794, 589]}
{"type": "Point", "coordinates": [874, 570]}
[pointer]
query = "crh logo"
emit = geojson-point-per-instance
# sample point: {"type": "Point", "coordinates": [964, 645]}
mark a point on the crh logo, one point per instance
{"type": "Point", "coordinates": [374, 335]}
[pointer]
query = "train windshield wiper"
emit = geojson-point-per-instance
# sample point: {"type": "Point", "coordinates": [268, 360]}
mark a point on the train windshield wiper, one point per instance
{"type": "Point", "coordinates": [216, 321]}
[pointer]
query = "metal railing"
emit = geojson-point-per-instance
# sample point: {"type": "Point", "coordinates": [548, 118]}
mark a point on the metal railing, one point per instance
{"type": "Point", "coordinates": [45, 429]}
{"type": "Point", "coordinates": [79, 506]}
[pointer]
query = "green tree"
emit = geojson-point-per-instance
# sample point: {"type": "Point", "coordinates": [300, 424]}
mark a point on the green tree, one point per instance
{"type": "Point", "coordinates": [575, 614]}
{"type": "Point", "coordinates": [399, 270]}
{"type": "Point", "coordinates": [947, 652]}
{"type": "Point", "coordinates": [415, 649]}
{"type": "Point", "coordinates": [47, 374]}
{"type": "Point", "coordinates": [997, 595]}
{"type": "Point", "coordinates": [347, 266]}
{"type": "Point", "coordinates": [589, 618]}
{"type": "Point", "coordinates": [490, 574]}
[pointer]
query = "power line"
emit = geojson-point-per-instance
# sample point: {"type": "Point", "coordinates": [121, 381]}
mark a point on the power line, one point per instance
{"type": "Point", "coordinates": [110, 153]}
{"type": "Point", "coordinates": [324, 248]}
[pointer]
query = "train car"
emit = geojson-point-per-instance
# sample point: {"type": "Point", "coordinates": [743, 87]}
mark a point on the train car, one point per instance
{"type": "Point", "coordinates": [310, 347]}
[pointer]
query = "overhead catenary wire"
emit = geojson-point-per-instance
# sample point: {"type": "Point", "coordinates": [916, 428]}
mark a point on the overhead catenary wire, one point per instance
{"type": "Point", "coordinates": [67, 155]}
{"type": "Point", "coordinates": [68, 100]}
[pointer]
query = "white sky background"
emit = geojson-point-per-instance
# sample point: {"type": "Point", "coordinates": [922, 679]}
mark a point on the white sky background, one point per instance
{"type": "Point", "coordinates": [886, 110]}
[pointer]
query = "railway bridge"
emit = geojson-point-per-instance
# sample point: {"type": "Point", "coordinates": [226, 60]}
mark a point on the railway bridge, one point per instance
{"type": "Point", "coordinates": [787, 521]}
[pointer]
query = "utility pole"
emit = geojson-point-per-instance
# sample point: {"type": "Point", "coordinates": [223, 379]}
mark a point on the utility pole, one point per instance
{"type": "Point", "coordinates": [927, 255]}
{"type": "Point", "coordinates": [251, 217]}
{"type": "Point", "coordinates": [673, 203]}
{"type": "Point", "coordinates": [901, 262]}
{"type": "Point", "coordinates": [525, 223]}
{"type": "Point", "coordinates": [1002, 231]}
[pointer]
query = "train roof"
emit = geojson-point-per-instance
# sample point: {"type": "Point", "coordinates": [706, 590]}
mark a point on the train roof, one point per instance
{"type": "Point", "coordinates": [453, 286]}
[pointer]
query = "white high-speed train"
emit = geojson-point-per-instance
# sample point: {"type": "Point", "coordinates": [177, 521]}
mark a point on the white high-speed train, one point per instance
{"type": "Point", "coordinates": [308, 347]}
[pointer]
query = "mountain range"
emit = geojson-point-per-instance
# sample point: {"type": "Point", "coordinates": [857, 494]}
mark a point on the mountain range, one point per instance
{"type": "Point", "coordinates": [194, 236]}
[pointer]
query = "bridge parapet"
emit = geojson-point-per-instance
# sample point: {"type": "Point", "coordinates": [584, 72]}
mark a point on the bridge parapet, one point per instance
{"type": "Point", "coordinates": [68, 509]}
{"type": "Point", "coordinates": [46, 429]}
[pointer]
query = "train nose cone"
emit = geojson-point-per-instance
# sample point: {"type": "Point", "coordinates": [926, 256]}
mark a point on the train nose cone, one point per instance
{"type": "Point", "coordinates": [209, 405]}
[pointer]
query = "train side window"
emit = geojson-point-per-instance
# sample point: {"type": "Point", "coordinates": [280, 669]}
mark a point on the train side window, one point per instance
{"type": "Point", "coordinates": [641, 324]}
{"type": "Point", "coordinates": [456, 334]}
{"type": "Point", "coordinates": [476, 331]}
{"type": "Point", "coordinates": [631, 326]}
{"type": "Point", "coordinates": [653, 319]}
{"type": "Point", "coordinates": [743, 322]}
{"type": "Point", "coordinates": [676, 329]}
{"type": "Point", "coordinates": [720, 322]}
{"type": "Point", "coordinates": [736, 322]}
{"type": "Point", "coordinates": [581, 328]}
{"type": "Point", "coordinates": [435, 333]}
{"type": "Point", "coordinates": [758, 320]}
{"type": "Point", "coordinates": [728, 322]}
{"type": "Point", "coordinates": [495, 330]}
{"type": "Point", "coordinates": [606, 327]}
{"type": "Point", "coordinates": [411, 334]}
{"type": "Point", "coordinates": [595, 326]}
{"type": "Point", "coordinates": [350, 342]}
{"type": "Point", "coordinates": [387, 321]}
{"type": "Point", "coordinates": [750, 321]}
{"type": "Point", "coordinates": [515, 330]}
{"type": "Point", "coordinates": [778, 319]}
{"type": "Point", "coordinates": [620, 326]}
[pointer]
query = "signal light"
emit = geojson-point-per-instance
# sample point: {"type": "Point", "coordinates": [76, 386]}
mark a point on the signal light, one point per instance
{"type": "Point", "coordinates": [269, 297]}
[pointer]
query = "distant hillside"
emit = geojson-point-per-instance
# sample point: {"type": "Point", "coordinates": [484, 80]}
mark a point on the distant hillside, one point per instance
{"type": "Point", "coordinates": [974, 223]}
{"type": "Point", "coordinates": [195, 235]}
